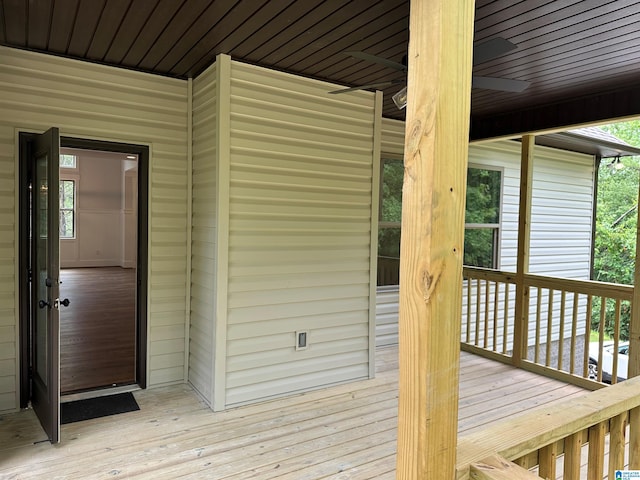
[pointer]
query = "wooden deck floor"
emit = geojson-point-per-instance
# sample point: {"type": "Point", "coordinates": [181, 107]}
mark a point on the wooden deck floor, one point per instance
{"type": "Point", "coordinates": [343, 432]}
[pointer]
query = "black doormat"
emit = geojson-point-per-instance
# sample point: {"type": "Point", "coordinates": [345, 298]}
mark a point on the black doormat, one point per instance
{"type": "Point", "coordinates": [97, 407]}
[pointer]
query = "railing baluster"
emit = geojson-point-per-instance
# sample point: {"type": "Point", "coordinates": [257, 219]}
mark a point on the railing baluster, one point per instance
{"type": "Point", "coordinates": [536, 358]}
{"type": "Point", "coordinates": [547, 356]}
{"type": "Point", "coordinates": [603, 315]}
{"type": "Point", "coordinates": [595, 469]}
{"type": "Point", "coordinates": [572, 457]}
{"type": "Point", "coordinates": [469, 288]}
{"type": "Point", "coordinates": [505, 328]}
{"type": "Point", "coordinates": [617, 443]}
{"type": "Point", "coordinates": [587, 335]}
{"type": "Point", "coordinates": [487, 293]}
{"type": "Point", "coordinates": [563, 304]}
{"type": "Point", "coordinates": [547, 461]}
{"type": "Point", "coordinates": [574, 334]}
{"type": "Point", "coordinates": [496, 298]}
{"type": "Point", "coordinates": [478, 300]}
{"type": "Point", "coordinates": [616, 341]}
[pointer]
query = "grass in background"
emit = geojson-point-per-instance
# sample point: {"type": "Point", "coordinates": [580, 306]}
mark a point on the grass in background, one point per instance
{"type": "Point", "coordinates": [594, 336]}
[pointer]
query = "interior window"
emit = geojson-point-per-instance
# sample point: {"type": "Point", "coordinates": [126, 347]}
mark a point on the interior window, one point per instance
{"type": "Point", "coordinates": [67, 208]}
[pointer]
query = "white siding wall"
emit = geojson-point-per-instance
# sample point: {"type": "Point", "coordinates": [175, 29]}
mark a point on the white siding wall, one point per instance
{"type": "Point", "coordinates": [203, 239]}
{"type": "Point", "coordinates": [300, 186]}
{"type": "Point", "coordinates": [387, 305]}
{"type": "Point", "coordinates": [562, 203]}
{"type": "Point", "coordinates": [92, 101]}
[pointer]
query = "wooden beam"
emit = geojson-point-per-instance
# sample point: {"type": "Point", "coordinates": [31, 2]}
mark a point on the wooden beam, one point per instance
{"type": "Point", "coordinates": [522, 264]}
{"type": "Point", "coordinates": [498, 468]}
{"type": "Point", "coordinates": [436, 144]}
{"type": "Point", "coordinates": [592, 109]}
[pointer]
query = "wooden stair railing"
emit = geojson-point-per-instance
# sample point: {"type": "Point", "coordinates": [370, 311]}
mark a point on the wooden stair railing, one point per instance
{"type": "Point", "coordinates": [552, 439]}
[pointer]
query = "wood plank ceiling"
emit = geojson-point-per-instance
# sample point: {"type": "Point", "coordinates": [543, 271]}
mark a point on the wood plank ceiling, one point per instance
{"type": "Point", "coordinates": [584, 52]}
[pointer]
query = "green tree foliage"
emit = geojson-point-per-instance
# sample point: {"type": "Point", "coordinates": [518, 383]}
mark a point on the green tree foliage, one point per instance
{"type": "Point", "coordinates": [391, 208]}
{"type": "Point", "coordinates": [482, 208]}
{"type": "Point", "coordinates": [616, 222]}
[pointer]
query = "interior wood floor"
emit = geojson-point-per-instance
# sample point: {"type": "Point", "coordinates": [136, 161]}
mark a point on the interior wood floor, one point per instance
{"type": "Point", "coordinates": [343, 432]}
{"type": "Point", "coordinates": [98, 328]}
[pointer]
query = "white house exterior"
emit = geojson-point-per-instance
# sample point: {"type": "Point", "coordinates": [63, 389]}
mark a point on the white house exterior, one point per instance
{"type": "Point", "coordinates": [263, 200]}
{"type": "Point", "coordinates": [262, 190]}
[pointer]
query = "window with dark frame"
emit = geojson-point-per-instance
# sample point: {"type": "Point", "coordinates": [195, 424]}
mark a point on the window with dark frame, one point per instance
{"type": "Point", "coordinates": [67, 208]}
{"type": "Point", "coordinates": [482, 219]}
{"type": "Point", "coordinates": [389, 221]}
{"type": "Point", "coordinates": [68, 161]}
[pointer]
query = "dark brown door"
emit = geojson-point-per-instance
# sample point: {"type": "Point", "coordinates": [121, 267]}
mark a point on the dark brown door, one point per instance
{"type": "Point", "coordinates": [45, 268]}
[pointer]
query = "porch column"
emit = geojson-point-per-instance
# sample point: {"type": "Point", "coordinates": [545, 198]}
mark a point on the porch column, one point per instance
{"type": "Point", "coordinates": [436, 145]}
{"type": "Point", "coordinates": [521, 322]}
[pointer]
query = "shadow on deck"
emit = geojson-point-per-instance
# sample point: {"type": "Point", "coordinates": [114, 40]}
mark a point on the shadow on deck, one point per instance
{"type": "Point", "coordinates": [348, 431]}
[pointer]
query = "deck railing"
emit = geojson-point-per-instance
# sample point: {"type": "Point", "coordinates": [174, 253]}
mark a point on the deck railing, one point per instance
{"type": "Point", "coordinates": [556, 322]}
{"type": "Point", "coordinates": [585, 438]}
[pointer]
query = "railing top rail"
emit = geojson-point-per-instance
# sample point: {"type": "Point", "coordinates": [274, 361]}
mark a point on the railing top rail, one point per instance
{"type": "Point", "coordinates": [515, 437]}
{"type": "Point", "coordinates": [489, 274]}
{"type": "Point", "coordinates": [586, 287]}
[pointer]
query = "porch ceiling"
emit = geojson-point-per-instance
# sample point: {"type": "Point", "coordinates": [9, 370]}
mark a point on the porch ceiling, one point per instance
{"type": "Point", "coordinates": [581, 57]}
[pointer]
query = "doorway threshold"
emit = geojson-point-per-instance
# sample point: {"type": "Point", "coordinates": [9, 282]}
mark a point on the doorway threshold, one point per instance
{"type": "Point", "coordinates": [102, 392]}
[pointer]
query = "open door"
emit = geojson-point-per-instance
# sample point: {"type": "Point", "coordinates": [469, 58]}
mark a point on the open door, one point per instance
{"type": "Point", "coordinates": [45, 318]}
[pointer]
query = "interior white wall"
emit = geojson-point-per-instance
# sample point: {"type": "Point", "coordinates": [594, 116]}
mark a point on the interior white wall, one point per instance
{"type": "Point", "coordinates": [105, 232]}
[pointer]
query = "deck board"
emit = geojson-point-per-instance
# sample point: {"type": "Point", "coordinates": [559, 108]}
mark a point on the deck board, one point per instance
{"type": "Point", "coordinates": [346, 431]}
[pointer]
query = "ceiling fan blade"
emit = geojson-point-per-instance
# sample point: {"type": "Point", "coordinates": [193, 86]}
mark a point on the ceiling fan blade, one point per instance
{"type": "Point", "coordinates": [364, 87]}
{"type": "Point", "coordinates": [379, 60]}
{"type": "Point", "coordinates": [501, 84]}
{"type": "Point", "coordinates": [492, 49]}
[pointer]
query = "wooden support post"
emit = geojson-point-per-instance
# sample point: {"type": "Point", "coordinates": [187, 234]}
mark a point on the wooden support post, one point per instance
{"type": "Point", "coordinates": [572, 458]}
{"type": "Point", "coordinates": [436, 147]}
{"type": "Point", "coordinates": [617, 429]}
{"type": "Point", "coordinates": [634, 321]}
{"type": "Point", "coordinates": [595, 463]}
{"type": "Point", "coordinates": [634, 439]}
{"type": "Point", "coordinates": [547, 460]}
{"type": "Point", "coordinates": [521, 327]}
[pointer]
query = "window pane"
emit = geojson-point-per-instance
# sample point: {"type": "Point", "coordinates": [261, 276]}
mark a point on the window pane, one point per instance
{"type": "Point", "coordinates": [480, 247]}
{"type": "Point", "coordinates": [68, 161]}
{"type": "Point", "coordinates": [67, 190]}
{"type": "Point", "coordinates": [392, 178]}
{"type": "Point", "coordinates": [66, 224]}
{"type": "Point", "coordinates": [483, 196]}
{"type": "Point", "coordinates": [67, 206]}
{"type": "Point", "coordinates": [388, 256]}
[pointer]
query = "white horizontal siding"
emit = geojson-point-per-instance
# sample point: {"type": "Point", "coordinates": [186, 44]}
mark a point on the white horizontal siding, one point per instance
{"type": "Point", "coordinates": [104, 103]}
{"type": "Point", "coordinates": [387, 305]}
{"type": "Point", "coordinates": [203, 233]}
{"type": "Point", "coordinates": [300, 186]}
{"type": "Point", "coordinates": [392, 142]}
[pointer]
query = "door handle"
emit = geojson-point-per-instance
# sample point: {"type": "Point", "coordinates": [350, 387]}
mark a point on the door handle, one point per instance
{"type": "Point", "coordinates": [43, 304]}
{"type": "Point", "coordinates": [64, 303]}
